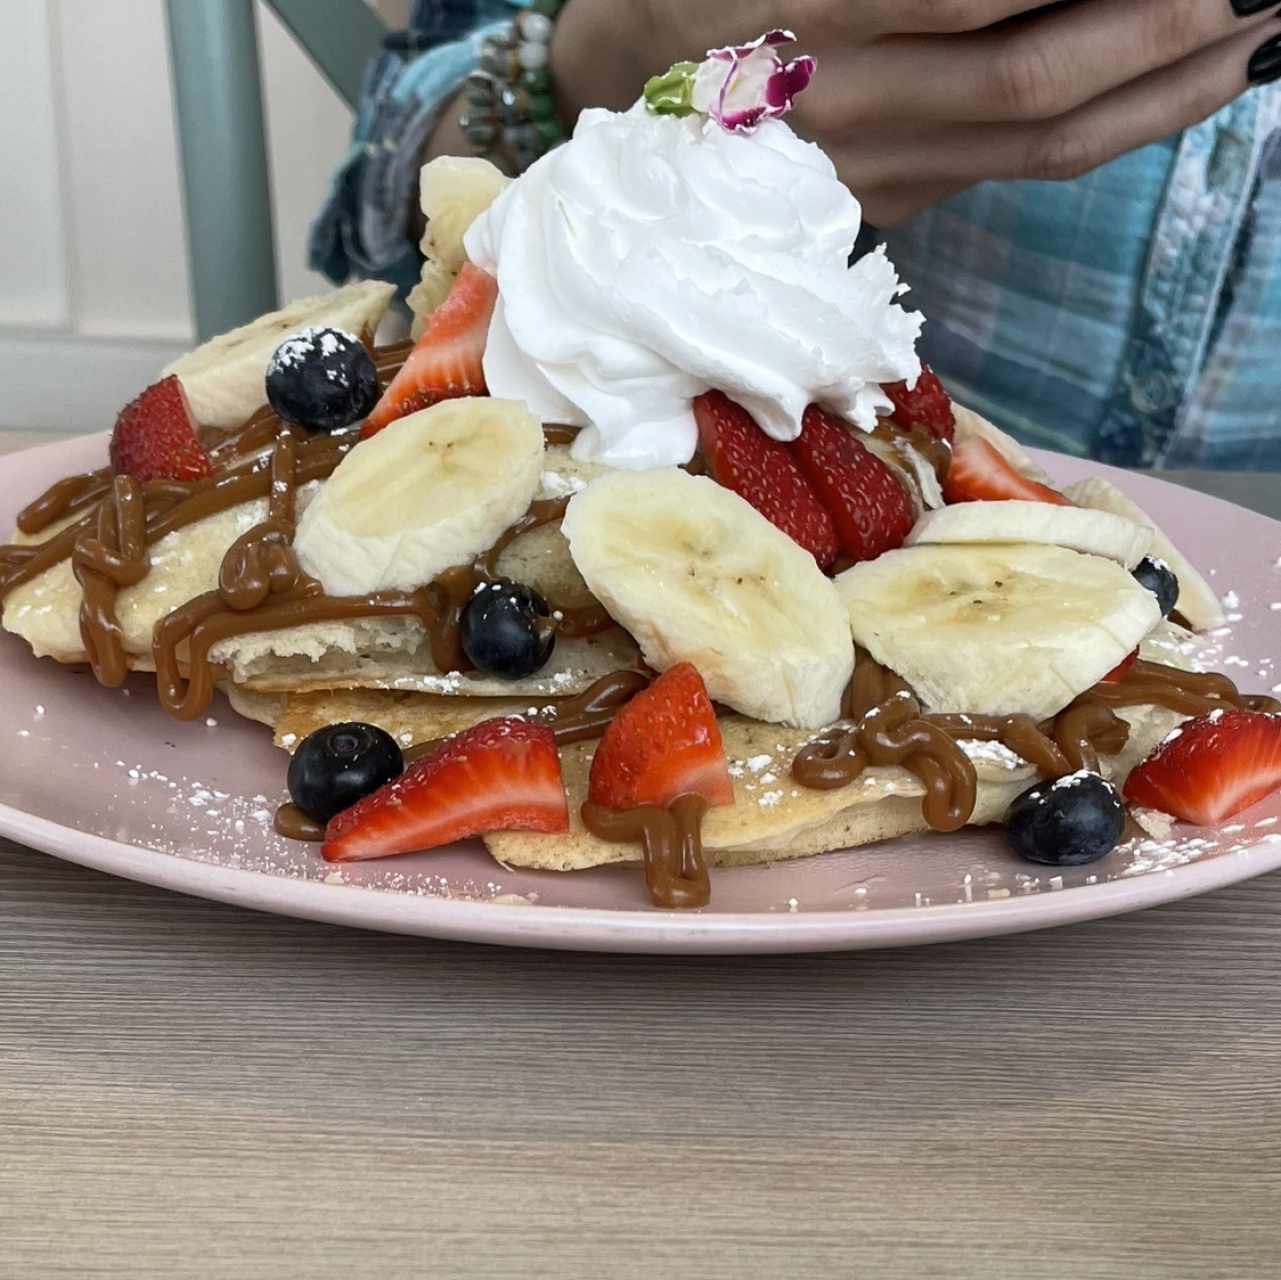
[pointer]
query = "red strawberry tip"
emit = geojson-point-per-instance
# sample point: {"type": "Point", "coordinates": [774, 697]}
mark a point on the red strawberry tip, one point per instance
{"type": "Point", "coordinates": [762, 471]}
{"type": "Point", "coordinates": [1211, 768]}
{"type": "Point", "coordinates": [155, 436]}
{"type": "Point", "coordinates": [663, 744]}
{"type": "Point", "coordinates": [500, 775]}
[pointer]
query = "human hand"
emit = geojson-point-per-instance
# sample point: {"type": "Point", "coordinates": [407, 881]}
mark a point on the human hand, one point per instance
{"type": "Point", "coordinates": [917, 100]}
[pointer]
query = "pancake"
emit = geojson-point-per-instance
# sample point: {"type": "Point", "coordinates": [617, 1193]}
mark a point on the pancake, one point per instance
{"type": "Point", "coordinates": [772, 818]}
{"type": "Point", "coordinates": [375, 653]}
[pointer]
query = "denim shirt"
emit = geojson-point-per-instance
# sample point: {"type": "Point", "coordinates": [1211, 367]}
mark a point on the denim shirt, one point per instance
{"type": "Point", "coordinates": [1133, 315]}
{"type": "Point", "coordinates": [363, 228]}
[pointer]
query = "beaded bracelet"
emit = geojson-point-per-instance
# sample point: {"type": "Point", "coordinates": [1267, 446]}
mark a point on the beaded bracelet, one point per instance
{"type": "Point", "coordinates": [510, 116]}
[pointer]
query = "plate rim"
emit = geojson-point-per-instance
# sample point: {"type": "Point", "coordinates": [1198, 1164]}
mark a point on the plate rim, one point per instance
{"type": "Point", "coordinates": [648, 931]}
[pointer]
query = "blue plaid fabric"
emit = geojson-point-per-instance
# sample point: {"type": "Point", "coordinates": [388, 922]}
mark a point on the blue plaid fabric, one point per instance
{"type": "Point", "coordinates": [1133, 315]}
{"type": "Point", "coordinates": [363, 228]}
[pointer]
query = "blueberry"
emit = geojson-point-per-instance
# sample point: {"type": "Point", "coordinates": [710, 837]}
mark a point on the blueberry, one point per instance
{"type": "Point", "coordinates": [1159, 579]}
{"type": "Point", "coordinates": [322, 379]}
{"type": "Point", "coordinates": [1067, 823]}
{"type": "Point", "coordinates": [340, 764]}
{"type": "Point", "coordinates": [507, 630]}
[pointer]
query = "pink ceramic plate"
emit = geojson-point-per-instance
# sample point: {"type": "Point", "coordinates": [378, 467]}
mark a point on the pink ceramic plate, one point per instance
{"type": "Point", "coordinates": [106, 779]}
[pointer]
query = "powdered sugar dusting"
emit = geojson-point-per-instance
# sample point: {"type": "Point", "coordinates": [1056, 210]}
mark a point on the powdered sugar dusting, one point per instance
{"type": "Point", "coordinates": [994, 753]}
{"type": "Point", "coordinates": [315, 341]}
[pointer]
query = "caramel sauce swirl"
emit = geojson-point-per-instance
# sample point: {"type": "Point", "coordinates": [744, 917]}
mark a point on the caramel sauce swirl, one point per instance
{"type": "Point", "coordinates": [582, 717]}
{"type": "Point", "coordinates": [885, 725]}
{"type": "Point", "coordinates": [112, 556]}
{"type": "Point", "coordinates": [559, 433]}
{"type": "Point", "coordinates": [671, 841]}
{"type": "Point", "coordinates": [1191, 693]}
{"type": "Point", "coordinates": [261, 585]}
{"type": "Point", "coordinates": [261, 571]}
{"type": "Point", "coordinates": [293, 824]}
{"type": "Point", "coordinates": [174, 504]}
{"type": "Point", "coordinates": [585, 716]}
{"type": "Point", "coordinates": [64, 498]}
{"type": "Point", "coordinates": [894, 732]}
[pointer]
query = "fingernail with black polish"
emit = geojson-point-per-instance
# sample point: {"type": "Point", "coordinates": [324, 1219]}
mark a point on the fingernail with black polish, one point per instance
{"type": "Point", "coordinates": [1244, 8]}
{"type": "Point", "coordinates": [1265, 66]}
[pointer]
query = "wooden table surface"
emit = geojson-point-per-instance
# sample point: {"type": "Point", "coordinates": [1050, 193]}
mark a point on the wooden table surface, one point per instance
{"type": "Point", "coordinates": [188, 1090]}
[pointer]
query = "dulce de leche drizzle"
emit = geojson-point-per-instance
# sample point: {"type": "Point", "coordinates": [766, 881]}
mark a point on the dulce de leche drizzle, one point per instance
{"type": "Point", "coordinates": [261, 585]}
{"type": "Point", "coordinates": [110, 556]}
{"type": "Point", "coordinates": [64, 498]}
{"type": "Point", "coordinates": [580, 718]}
{"type": "Point", "coordinates": [293, 824]}
{"type": "Point", "coordinates": [884, 725]}
{"type": "Point", "coordinates": [671, 841]}
{"type": "Point", "coordinates": [894, 732]}
{"type": "Point", "coordinates": [1191, 693]}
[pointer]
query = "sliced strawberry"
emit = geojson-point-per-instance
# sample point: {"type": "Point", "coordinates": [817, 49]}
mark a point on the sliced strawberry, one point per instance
{"type": "Point", "coordinates": [664, 743]}
{"type": "Point", "coordinates": [501, 775]}
{"type": "Point", "coordinates": [1114, 676]}
{"type": "Point", "coordinates": [1210, 769]}
{"type": "Point", "coordinates": [446, 363]}
{"type": "Point", "coordinates": [979, 473]}
{"type": "Point", "coordinates": [926, 406]}
{"type": "Point", "coordinates": [743, 458]}
{"type": "Point", "coordinates": [868, 502]}
{"type": "Point", "coordinates": [155, 437]}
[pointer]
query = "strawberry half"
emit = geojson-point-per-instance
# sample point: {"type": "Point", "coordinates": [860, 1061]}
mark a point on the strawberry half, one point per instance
{"type": "Point", "coordinates": [501, 775]}
{"type": "Point", "coordinates": [155, 437]}
{"type": "Point", "coordinates": [867, 501]}
{"type": "Point", "coordinates": [447, 362]}
{"type": "Point", "coordinates": [743, 458]}
{"type": "Point", "coordinates": [664, 743]}
{"type": "Point", "coordinates": [926, 406]}
{"type": "Point", "coordinates": [1211, 768]}
{"type": "Point", "coordinates": [980, 473]}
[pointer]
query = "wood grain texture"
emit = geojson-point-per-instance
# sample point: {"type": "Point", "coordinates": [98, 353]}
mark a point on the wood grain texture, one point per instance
{"type": "Point", "coordinates": [192, 1091]}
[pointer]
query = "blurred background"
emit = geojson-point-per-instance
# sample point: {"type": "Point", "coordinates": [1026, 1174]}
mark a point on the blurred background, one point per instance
{"type": "Point", "coordinates": [93, 265]}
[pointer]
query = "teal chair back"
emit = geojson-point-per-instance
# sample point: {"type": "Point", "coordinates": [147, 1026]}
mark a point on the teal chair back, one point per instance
{"type": "Point", "coordinates": [222, 141]}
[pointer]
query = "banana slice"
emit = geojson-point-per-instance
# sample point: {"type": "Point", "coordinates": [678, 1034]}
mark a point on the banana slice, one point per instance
{"type": "Point", "coordinates": [698, 575]}
{"type": "Point", "coordinates": [912, 468]}
{"type": "Point", "coordinates": [431, 491]}
{"type": "Point", "coordinates": [430, 291]}
{"type": "Point", "coordinates": [224, 378]}
{"type": "Point", "coordinates": [454, 192]}
{"type": "Point", "coordinates": [1095, 533]}
{"type": "Point", "coordinates": [1197, 601]}
{"type": "Point", "coordinates": [997, 629]}
{"type": "Point", "coordinates": [926, 481]}
{"type": "Point", "coordinates": [969, 423]}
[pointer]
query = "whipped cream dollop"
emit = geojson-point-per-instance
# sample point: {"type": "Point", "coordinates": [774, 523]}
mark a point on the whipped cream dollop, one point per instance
{"type": "Point", "coordinates": [652, 258]}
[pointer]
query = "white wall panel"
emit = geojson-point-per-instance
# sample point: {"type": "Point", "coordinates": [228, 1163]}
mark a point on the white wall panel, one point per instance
{"type": "Point", "coordinates": [308, 131]}
{"type": "Point", "coordinates": [65, 382]}
{"type": "Point", "coordinates": [93, 271]}
{"type": "Point", "coordinates": [127, 238]}
{"type": "Point", "coordinates": [33, 278]}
